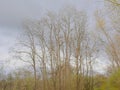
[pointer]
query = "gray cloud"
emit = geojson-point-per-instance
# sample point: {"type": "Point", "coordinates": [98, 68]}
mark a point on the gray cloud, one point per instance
{"type": "Point", "coordinates": [14, 11]}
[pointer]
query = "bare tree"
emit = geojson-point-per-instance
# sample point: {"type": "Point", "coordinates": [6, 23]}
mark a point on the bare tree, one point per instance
{"type": "Point", "coordinates": [110, 30]}
{"type": "Point", "coordinates": [64, 40]}
{"type": "Point", "coordinates": [27, 50]}
{"type": "Point", "coordinates": [60, 44]}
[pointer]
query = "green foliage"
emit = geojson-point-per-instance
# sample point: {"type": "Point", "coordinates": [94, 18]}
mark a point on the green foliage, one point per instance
{"type": "Point", "coordinates": [114, 80]}
{"type": "Point", "coordinates": [108, 83]}
{"type": "Point", "coordinates": [101, 82]}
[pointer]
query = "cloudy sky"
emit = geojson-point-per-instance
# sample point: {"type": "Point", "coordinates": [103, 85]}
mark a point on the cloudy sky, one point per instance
{"type": "Point", "coordinates": [13, 12]}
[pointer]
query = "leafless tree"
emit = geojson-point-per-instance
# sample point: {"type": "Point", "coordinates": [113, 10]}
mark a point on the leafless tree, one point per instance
{"type": "Point", "coordinates": [60, 44]}
{"type": "Point", "coordinates": [27, 50]}
{"type": "Point", "coordinates": [111, 31]}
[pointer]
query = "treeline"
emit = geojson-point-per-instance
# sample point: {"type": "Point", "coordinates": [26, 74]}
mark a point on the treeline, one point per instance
{"type": "Point", "coordinates": [24, 80]}
{"type": "Point", "coordinates": [61, 51]}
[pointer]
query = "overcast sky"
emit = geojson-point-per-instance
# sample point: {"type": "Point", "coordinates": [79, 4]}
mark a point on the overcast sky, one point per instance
{"type": "Point", "coordinates": [13, 12]}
